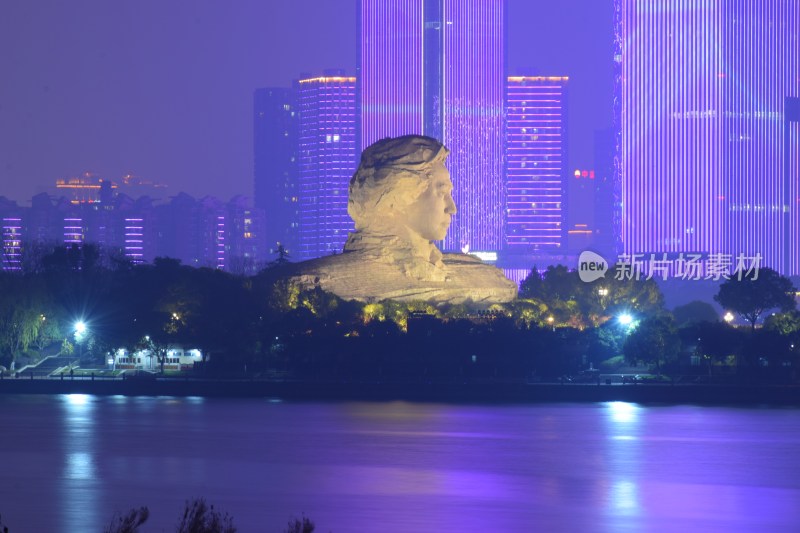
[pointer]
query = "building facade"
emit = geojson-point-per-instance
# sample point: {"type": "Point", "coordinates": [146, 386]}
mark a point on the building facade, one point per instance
{"type": "Point", "coordinates": [705, 155]}
{"type": "Point", "coordinates": [327, 160]}
{"type": "Point", "coordinates": [12, 235]}
{"type": "Point", "coordinates": [438, 68]}
{"type": "Point", "coordinates": [275, 121]}
{"type": "Point", "coordinates": [536, 143]}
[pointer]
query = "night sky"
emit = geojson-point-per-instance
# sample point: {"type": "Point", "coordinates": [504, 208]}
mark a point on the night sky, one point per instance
{"type": "Point", "coordinates": [163, 88]}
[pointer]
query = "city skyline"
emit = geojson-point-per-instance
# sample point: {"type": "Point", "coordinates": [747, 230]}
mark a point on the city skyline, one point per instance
{"type": "Point", "coordinates": [168, 95]}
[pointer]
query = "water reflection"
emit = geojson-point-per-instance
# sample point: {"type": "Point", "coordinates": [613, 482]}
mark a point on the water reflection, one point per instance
{"type": "Point", "coordinates": [79, 485]}
{"type": "Point", "coordinates": [79, 466]}
{"type": "Point", "coordinates": [405, 467]}
{"type": "Point", "coordinates": [624, 459]}
{"type": "Point", "coordinates": [622, 413]}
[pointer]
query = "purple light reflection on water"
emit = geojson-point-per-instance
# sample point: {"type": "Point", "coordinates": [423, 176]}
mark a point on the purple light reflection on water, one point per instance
{"type": "Point", "coordinates": [395, 467]}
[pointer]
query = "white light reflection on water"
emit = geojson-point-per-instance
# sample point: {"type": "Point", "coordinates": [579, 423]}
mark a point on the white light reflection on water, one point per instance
{"type": "Point", "coordinates": [622, 413]}
{"type": "Point", "coordinates": [622, 420]}
{"type": "Point", "coordinates": [79, 484]}
{"type": "Point", "coordinates": [79, 466]}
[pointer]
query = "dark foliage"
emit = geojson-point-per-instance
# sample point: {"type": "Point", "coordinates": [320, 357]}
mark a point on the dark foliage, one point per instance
{"type": "Point", "coordinates": [753, 293]}
{"type": "Point", "coordinates": [200, 517]}
{"type": "Point", "coordinates": [300, 525]}
{"type": "Point", "coordinates": [695, 312]}
{"type": "Point", "coordinates": [128, 523]}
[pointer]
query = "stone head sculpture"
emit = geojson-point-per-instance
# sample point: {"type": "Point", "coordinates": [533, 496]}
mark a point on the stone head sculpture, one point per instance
{"type": "Point", "coordinates": [402, 188]}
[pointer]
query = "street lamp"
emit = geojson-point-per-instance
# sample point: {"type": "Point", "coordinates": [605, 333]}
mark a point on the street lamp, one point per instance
{"type": "Point", "coordinates": [625, 319]}
{"type": "Point", "coordinates": [80, 334]}
{"type": "Point", "coordinates": [603, 293]}
{"type": "Point", "coordinates": [728, 317]}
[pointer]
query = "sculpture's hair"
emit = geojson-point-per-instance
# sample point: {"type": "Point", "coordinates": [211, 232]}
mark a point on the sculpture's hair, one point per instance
{"type": "Point", "coordinates": [392, 174]}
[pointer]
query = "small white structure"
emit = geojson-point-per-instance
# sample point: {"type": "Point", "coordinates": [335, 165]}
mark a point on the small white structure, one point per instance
{"type": "Point", "coordinates": [177, 359]}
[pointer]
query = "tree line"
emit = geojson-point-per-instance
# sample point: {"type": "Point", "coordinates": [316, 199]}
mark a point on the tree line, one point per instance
{"type": "Point", "coordinates": [263, 326]}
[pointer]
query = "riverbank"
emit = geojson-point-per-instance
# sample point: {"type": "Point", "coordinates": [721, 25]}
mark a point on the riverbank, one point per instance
{"type": "Point", "coordinates": [417, 392]}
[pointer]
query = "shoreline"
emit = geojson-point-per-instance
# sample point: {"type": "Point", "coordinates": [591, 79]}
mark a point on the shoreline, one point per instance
{"type": "Point", "coordinates": [439, 392]}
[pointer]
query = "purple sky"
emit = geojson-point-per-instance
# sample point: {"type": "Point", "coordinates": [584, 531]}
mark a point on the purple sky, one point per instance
{"type": "Point", "coordinates": [163, 88]}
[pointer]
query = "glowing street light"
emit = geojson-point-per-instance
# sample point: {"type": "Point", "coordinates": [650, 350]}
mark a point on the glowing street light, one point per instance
{"type": "Point", "coordinates": [80, 333]}
{"type": "Point", "coordinates": [625, 319]}
{"type": "Point", "coordinates": [80, 330]}
{"type": "Point", "coordinates": [728, 317]}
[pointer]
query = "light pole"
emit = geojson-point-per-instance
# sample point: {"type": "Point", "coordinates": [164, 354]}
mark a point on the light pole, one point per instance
{"type": "Point", "coordinates": [80, 335]}
{"type": "Point", "coordinates": [602, 292]}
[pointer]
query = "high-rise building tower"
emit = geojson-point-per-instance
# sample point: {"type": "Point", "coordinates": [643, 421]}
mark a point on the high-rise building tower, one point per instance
{"type": "Point", "coordinates": [606, 208]}
{"type": "Point", "coordinates": [437, 67]}
{"type": "Point", "coordinates": [327, 161]}
{"type": "Point", "coordinates": [11, 225]}
{"type": "Point", "coordinates": [536, 144]}
{"type": "Point", "coordinates": [704, 147]}
{"type": "Point", "coordinates": [275, 165]}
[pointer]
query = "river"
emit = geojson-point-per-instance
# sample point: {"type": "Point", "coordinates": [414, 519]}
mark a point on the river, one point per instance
{"type": "Point", "coordinates": [68, 462]}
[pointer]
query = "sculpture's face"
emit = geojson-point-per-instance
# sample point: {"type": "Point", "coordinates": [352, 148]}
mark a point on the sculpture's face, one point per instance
{"type": "Point", "coordinates": [429, 215]}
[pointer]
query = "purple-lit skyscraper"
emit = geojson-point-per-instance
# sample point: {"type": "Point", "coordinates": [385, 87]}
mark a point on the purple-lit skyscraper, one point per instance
{"type": "Point", "coordinates": [327, 161]}
{"type": "Point", "coordinates": [536, 143]}
{"type": "Point", "coordinates": [11, 254]}
{"type": "Point", "coordinates": [390, 69]}
{"type": "Point", "coordinates": [437, 67]}
{"type": "Point", "coordinates": [275, 165]}
{"type": "Point", "coordinates": [703, 141]}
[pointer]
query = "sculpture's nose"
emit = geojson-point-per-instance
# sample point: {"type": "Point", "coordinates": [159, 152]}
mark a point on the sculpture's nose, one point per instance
{"type": "Point", "coordinates": [449, 205]}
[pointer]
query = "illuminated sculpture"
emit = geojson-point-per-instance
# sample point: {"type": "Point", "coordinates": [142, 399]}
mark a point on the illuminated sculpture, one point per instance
{"type": "Point", "coordinates": [400, 199]}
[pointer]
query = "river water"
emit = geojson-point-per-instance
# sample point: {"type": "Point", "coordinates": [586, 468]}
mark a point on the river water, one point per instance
{"type": "Point", "coordinates": [67, 463]}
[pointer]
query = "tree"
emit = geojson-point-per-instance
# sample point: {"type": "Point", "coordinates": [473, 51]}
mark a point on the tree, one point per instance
{"type": "Point", "coordinates": [22, 304]}
{"type": "Point", "coordinates": [200, 517]}
{"type": "Point", "coordinates": [752, 294]}
{"type": "Point", "coordinates": [531, 286]}
{"type": "Point", "coordinates": [715, 342]}
{"type": "Point", "coordinates": [654, 341]}
{"type": "Point", "coordinates": [128, 523]}
{"type": "Point", "coordinates": [783, 323]}
{"type": "Point", "coordinates": [49, 332]}
{"type": "Point", "coordinates": [572, 302]}
{"type": "Point", "coordinates": [297, 525]}
{"type": "Point", "coordinates": [694, 312]}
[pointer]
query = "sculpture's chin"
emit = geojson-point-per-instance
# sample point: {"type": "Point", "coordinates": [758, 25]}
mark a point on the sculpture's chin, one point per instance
{"type": "Point", "coordinates": [439, 235]}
